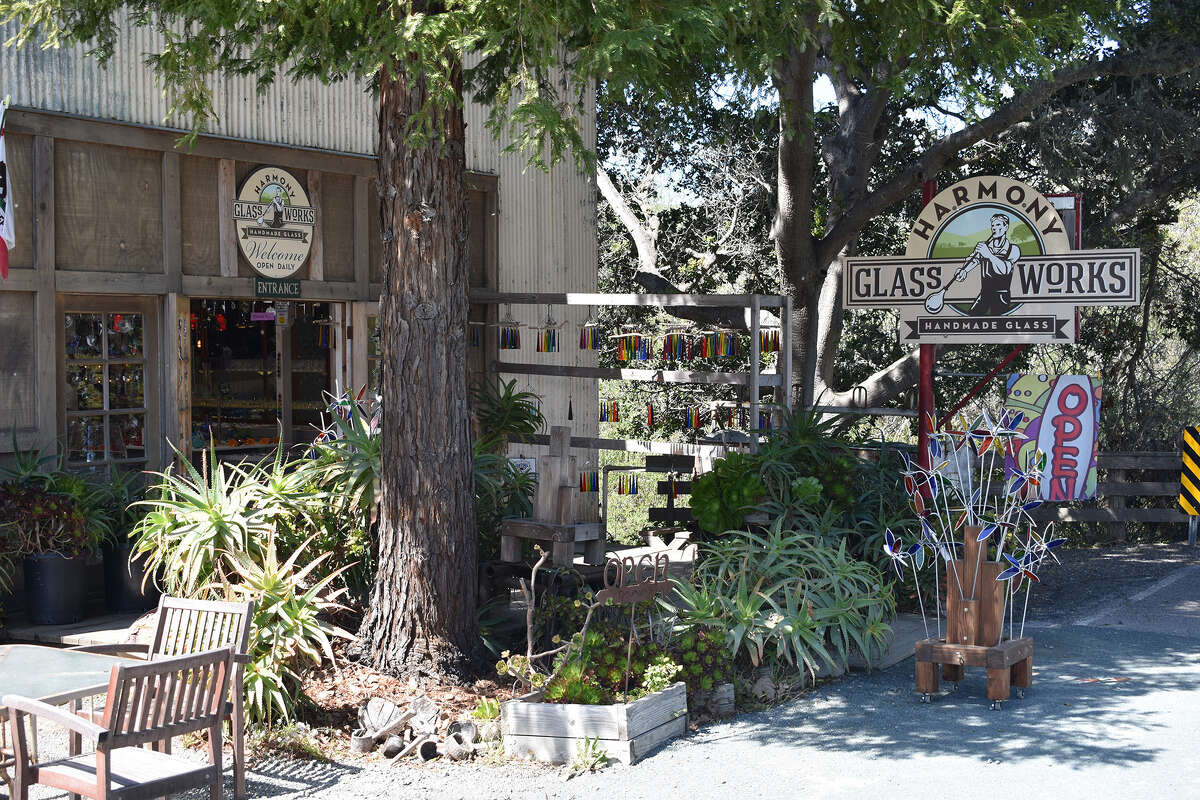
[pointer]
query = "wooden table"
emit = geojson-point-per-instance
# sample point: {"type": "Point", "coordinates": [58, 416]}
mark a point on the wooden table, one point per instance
{"type": "Point", "coordinates": [52, 675]}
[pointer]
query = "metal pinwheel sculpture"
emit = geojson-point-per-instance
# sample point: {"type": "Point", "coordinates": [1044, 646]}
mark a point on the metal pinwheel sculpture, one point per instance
{"type": "Point", "coordinates": [965, 486]}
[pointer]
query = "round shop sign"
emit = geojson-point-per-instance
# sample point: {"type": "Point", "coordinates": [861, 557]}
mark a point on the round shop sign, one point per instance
{"type": "Point", "coordinates": [274, 222]}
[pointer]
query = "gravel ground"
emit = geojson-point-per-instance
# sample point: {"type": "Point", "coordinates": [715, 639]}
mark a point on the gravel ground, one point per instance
{"type": "Point", "coordinates": [1114, 711]}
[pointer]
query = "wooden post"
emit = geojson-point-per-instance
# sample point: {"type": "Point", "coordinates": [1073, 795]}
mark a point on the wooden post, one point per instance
{"type": "Point", "coordinates": [226, 194]}
{"type": "Point", "coordinates": [1117, 530]}
{"type": "Point", "coordinates": [48, 326]}
{"type": "Point", "coordinates": [755, 355]}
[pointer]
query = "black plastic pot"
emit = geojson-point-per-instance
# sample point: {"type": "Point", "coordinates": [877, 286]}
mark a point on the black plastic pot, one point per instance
{"type": "Point", "coordinates": [55, 588]}
{"type": "Point", "coordinates": [123, 581]}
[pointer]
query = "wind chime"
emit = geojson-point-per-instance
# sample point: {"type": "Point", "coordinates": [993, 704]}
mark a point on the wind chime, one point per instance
{"type": "Point", "coordinates": [633, 347]}
{"type": "Point", "coordinates": [610, 411]}
{"type": "Point", "coordinates": [677, 346]}
{"type": "Point", "coordinates": [475, 333]}
{"type": "Point", "coordinates": [589, 480]}
{"type": "Point", "coordinates": [627, 484]}
{"type": "Point", "coordinates": [548, 334]}
{"type": "Point", "coordinates": [718, 343]}
{"type": "Point", "coordinates": [650, 415]}
{"type": "Point", "coordinates": [510, 331]}
{"type": "Point", "coordinates": [589, 333]}
{"type": "Point", "coordinates": [692, 418]}
{"type": "Point", "coordinates": [768, 340]}
{"type": "Point", "coordinates": [765, 421]}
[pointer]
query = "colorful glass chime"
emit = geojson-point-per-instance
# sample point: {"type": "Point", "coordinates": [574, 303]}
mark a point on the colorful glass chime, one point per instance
{"type": "Point", "coordinates": [510, 333]}
{"type": "Point", "coordinates": [548, 334]}
{"type": "Point", "coordinates": [589, 480]}
{"type": "Point", "coordinates": [692, 418]}
{"type": "Point", "coordinates": [718, 343]}
{"type": "Point", "coordinates": [610, 411]}
{"type": "Point", "coordinates": [589, 337]}
{"type": "Point", "coordinates": [676, 346]}
{"type": "Point", "coordinates": [765, 422]}
{"type": "Point", "coordinates": [649, 415]}
{"type": "Point", "coordinates": [768, 341]}
{"type": "Point", "coordinates": [475, 333]}
{"type": "Point", "coordinates": [633, 347]}
{"type": "Point", "coordinates": [627, 484]}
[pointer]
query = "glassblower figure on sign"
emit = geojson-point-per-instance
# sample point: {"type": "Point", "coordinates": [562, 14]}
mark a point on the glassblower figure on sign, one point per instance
{"type": "Point", "coordinates": [995, 258]}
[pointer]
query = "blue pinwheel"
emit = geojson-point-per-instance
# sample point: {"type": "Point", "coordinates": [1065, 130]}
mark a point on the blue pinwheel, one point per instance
{"type": "Point", "coordinates": [1022, 568]}
{"type": "Point", "coordinates": [894, 547]}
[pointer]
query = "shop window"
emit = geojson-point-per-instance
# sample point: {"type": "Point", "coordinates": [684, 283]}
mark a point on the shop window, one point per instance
{"type": "Point", "coordinates": [105, 388]}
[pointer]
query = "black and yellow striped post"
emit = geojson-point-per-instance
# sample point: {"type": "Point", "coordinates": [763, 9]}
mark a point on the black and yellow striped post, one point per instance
{"type": "Point", "coordinates": [1189, 479]}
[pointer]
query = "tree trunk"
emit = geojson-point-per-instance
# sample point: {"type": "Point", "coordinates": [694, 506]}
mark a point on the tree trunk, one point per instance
{"type": "Point", "coordinates": [422, 616]}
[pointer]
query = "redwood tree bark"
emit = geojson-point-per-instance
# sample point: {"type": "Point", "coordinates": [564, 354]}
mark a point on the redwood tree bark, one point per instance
{"type": "Point", "coordinates": [422, 616]}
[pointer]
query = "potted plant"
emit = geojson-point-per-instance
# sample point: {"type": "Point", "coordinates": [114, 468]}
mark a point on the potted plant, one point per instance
{"type": "Point", "coordinates": [127, 589]}
{"type": "Point", "coordinates": [51, 532]}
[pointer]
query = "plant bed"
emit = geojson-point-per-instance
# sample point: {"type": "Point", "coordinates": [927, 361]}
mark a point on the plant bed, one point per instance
{"type": "Point", "coordinates": [627, 732]}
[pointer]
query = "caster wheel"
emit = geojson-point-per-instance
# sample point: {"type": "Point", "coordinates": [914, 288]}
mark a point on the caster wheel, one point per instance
{"type": "Point", "coordinates": [996, 705]}
{"type": "Point", "coordinates": [1020, 694]}
{"type": "Point", "coordinates": [926, 698]}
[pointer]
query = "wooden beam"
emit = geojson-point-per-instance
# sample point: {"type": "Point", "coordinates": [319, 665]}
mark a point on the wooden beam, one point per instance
{"type": "Point", "coordinates": [45, 301]}
{"type": "Point", "coordinates": [172, 223]}
{"type": "Point", "coordinates": [1160, 515]}
{"type": "Point", "coordinates": [316, 255]}
{"type": "Point", "coordinates": [215, 286]}
{"type": "Point", "coordinates": [20, 280]}
{"type": "Point", "coordinates": [79, 282]}
{"type": "Point", "coordinates": [66, 126]}
{"type": "Point", "coordinates": [1160, 459]}
{"type": "Point", "coordinates": [362, 239]}
{"type": "Point", "coordinates": [598, 299]}
{"type": "Point", "coordinates": [655, 375]}
{"type": "Point", "coordinates": [226, 193]}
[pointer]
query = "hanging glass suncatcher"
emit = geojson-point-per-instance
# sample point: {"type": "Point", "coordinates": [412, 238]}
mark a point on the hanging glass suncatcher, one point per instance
{"type": "Point", "coordinates": [692, 418]}
{"type": "Point", "coordinates": [610, 411]}
{"type": "Point", "coordinates": [475, 333]}
{"type": "Point", "coordinates": [589, 480]}
{"type": "Point", "coordinates": [718, 343]}
{"type": "Point", "coordinates": [510, 332]}
{"type": "Point", "coordinates": [765, 422]}
{"type": "Point", "coordinates": [548, 334]}
{"type": "Point", "coordinates": [768, 341]}
{"type": "Point", "coordinates": [589, 334]}
{"type": "Point", "coordinates": [649, 415]}
{"type": "Point", "coordinates": [633, 347]}
{"type": "Point", "coordinates": [627, 484]}
{"type": "Point", "coordinates": [677, 346]}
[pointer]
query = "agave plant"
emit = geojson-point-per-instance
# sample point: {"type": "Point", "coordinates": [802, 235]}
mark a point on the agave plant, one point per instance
{"type": "Point", "coordinates": [288, 629]}
{"type": "Point", "coordinates": [193, 519]}
{"type": "Point", "coordinates": [347, 458]}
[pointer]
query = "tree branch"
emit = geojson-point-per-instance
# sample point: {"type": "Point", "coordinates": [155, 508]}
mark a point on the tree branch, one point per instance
{"type": "Point", "coordinates": [1165, 62]}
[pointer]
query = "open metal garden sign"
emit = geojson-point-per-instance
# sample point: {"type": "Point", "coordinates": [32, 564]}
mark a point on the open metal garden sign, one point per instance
{"type": "Point", "coordinates": [988, 260]}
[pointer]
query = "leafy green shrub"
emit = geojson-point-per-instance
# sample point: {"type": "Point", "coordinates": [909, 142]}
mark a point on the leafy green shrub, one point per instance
{"type": "Point", "coordinates": [705, 660]}
{"type": "Point", "coordinates": [502, 414]}
{"type": "Point", "coordinates": [486, 708]}
{"type": "Point", "coordinates": [721, 497]}
{"type": "Point", "coordinates": [38, 521]}
{"type": "Point", "coordinates": [786, 596]}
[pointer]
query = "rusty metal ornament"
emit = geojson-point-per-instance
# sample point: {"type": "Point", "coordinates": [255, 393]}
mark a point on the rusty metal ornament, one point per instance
{"type": "Point", "coordinates": [633, 581]}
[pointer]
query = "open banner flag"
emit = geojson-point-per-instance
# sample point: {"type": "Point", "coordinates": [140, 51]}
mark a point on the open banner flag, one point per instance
{"type": "Point", "coordinates": [6, 204]}
{"type": "Point", "coordinates": [1060, 419]}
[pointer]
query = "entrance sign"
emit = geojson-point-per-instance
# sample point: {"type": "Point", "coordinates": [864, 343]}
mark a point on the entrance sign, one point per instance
{"type": "Point", "coordinates": [1060, 418]}
{"type": "Point", "coordinates": [274, 222]}
{"type": "Point", "coordinates": [989, 261]}
{"type": "Point", "coordinates": [1189, 481]}
{"type": "Point", "coordinates": [270, 287]}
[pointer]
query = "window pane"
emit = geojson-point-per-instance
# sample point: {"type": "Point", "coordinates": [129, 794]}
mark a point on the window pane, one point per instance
{"type": "Point", "coordinates": [85, 387]}
{"type": "Point", "coordinates": [125, 386]}
{"type": "Point", "coordinates": [124, 336]}
{"type": "Point", "coordinates": [85, 439]}
{"type": "Point", "coordinates": [17, 389]}
{"type": "Point", "coordinates": [84, 336]}
{"type": "Point", "coordinates": [125, 436]}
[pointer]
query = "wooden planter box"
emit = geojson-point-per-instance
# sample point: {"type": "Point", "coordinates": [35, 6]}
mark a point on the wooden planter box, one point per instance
{"type": "Point", "coordinates": [626, 731]}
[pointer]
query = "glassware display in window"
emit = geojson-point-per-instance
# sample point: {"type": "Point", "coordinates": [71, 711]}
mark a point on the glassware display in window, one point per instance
{"type": "Point", "coordinates": [85, 336]}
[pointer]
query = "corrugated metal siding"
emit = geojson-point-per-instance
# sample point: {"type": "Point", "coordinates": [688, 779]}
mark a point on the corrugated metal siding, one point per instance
{"type": "Point", "coordinates": [547, 219]}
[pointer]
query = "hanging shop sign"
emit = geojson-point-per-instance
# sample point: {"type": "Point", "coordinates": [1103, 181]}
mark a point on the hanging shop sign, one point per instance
{"type": "Point", "coordinates": [274, 222]}
{"type": "Point", "coordinates": [989, 261]}
{"type": "Point", "coordinates": [1058, 429]}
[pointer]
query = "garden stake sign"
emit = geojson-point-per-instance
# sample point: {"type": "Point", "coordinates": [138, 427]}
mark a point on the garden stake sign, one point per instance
{"type": "Point", "coordinates": [964, 500]}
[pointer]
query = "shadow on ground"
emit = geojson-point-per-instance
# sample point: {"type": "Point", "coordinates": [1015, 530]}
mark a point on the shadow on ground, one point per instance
{"type": "Point", "coordinates": [1084, 708]}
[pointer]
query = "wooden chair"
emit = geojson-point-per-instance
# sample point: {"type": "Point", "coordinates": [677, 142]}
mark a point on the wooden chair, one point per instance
{"type": "Point", "coordinates": [146, 704]}
{"type": "Point", "coordinates": [191, 626]}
